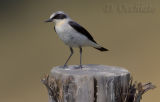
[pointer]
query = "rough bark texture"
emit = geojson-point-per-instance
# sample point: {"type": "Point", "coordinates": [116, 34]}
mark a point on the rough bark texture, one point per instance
{"type": "Point", "coordinates": [92, 83]}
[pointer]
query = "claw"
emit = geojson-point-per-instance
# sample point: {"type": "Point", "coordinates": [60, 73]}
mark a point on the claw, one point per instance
{"type": "Point", "coordinates": [65, 66]}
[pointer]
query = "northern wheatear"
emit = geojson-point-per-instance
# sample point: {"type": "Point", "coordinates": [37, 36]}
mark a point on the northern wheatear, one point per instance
{"type": "Point", "coordinates": [72, 34]}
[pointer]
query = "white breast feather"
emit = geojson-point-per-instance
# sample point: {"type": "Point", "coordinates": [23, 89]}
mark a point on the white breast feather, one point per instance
{"type": "Point", "coordinates": [70, 36]}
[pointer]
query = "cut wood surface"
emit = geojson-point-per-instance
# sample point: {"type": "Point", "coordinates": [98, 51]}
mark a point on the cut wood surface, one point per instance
{"type": "Point", "coordinates": [92, 83]}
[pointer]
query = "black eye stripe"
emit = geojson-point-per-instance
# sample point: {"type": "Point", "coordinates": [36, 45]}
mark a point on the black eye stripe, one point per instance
{"type": "Point", "coordinates": [59, 16]}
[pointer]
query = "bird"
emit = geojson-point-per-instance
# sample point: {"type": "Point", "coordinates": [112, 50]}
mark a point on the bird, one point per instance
{"type": "Point", "coordinates": [72, 34]}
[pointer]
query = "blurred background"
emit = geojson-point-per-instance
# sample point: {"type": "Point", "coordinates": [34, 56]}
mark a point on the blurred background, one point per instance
{"type": "Point", "coordinates": [29, 47]}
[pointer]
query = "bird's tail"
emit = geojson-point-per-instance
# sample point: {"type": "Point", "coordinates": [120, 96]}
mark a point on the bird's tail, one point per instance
{"type": "Point", "coordinates": [98, 47]}
{"type": "Point", "coordinates": [101, 48]}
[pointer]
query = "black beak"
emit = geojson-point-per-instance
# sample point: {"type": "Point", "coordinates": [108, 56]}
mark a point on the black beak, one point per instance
{"type": "Point", "coordinates": [49, 20]}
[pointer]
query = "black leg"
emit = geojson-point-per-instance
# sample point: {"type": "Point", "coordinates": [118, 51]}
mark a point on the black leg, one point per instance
{"type": "Point", "coordinates": [69, 57]}
{"type": "Point", "coordinates": [80, 57]}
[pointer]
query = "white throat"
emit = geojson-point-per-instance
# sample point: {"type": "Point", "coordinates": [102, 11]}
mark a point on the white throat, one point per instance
{"type": "Point", "coordinates": [60, 22]}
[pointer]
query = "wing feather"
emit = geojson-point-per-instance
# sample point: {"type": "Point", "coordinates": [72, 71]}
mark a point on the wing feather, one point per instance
{"type": "Point", "coordinates": [81, 30]}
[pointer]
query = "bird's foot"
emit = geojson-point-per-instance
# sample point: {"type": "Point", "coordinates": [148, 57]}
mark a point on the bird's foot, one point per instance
{"type": "Point", "coordinates": [65, 66]}
{"type": "Point", "coordinates": [79, 67]}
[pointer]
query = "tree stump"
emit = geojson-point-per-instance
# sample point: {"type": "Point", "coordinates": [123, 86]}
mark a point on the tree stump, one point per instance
{"type": "Point", "coordinates": [92, 83]}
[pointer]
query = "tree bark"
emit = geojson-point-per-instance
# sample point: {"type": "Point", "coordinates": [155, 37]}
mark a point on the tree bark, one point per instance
{"type": "Point", "coordinates": [92, 83]}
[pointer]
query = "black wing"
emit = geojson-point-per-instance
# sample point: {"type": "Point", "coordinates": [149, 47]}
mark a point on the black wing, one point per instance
{"type": "Point", "coordinates": [81, 30]}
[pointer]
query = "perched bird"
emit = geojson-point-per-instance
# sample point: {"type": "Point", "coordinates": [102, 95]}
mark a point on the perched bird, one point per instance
{"type": "Point", "coordinates": [72, 34]}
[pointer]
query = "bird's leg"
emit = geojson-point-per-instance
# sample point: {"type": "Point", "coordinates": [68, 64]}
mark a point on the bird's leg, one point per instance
{"type": "Point", "coordinates": [65, 65]}
{"type": "Point", "coordinates": [80, 57]}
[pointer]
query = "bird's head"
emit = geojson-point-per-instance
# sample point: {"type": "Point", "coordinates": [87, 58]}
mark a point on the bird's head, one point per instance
{"type": "Point", "coordinates": [57, 16]}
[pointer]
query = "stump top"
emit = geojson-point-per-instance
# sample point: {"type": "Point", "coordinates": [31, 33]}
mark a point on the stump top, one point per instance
{"type": "Point", "coordinates": [90, 70]}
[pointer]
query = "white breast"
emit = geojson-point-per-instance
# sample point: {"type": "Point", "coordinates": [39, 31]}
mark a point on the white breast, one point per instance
{"type": "Point", "coordinates": [70, 36]}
